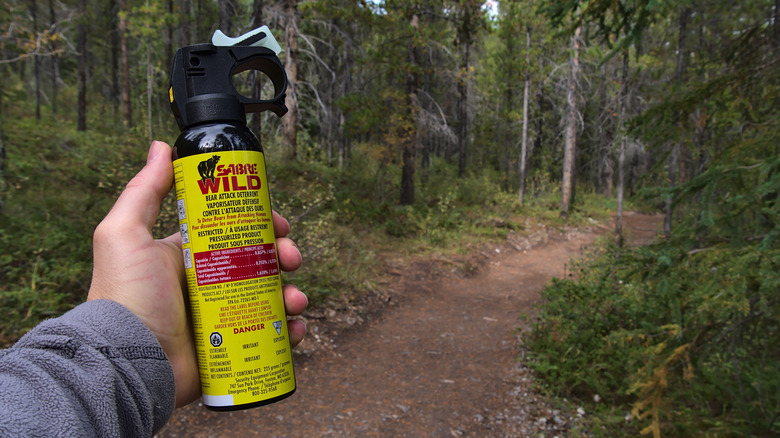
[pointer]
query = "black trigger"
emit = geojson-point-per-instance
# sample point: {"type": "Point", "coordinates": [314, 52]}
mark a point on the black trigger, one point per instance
{"type": "Point", "coordinates": [251, 40]}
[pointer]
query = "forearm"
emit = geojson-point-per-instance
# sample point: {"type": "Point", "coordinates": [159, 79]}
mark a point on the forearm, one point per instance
{"type": "Point", "coordinates": [96, 370]}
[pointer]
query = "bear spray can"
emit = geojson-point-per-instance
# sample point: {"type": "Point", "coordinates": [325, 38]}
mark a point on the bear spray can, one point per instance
{"type": "Point", "coordinates": [225, 218]}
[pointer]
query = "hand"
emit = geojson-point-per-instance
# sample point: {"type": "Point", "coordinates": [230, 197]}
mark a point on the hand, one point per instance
{"type": "Point", "coordinates": [147, 275]}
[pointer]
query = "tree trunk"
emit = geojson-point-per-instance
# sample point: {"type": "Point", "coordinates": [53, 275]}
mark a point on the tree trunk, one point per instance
{"type": "Point", "coordinates": [466, 25]}
{"type": "Point", "coordinates": [776, 27]}
{"type": "Point", "coordinates": [463, 114]}
{"type": "Point", "coordinates": [82, 69]}
{"type": "Point", "coordinates": [570, 131]}
{"type": "Point", "coordinates": [606, 139]}
{"type": "Point", "coordinates": [411, 138]}
{"type": "Point", "coordinates": [169, 27]}
{"type": "Point", "coordinates": [256, 119]}
{"type": "Point", "coordinates": [290, 121]}
{"type": "Point", "coordinates": [409, 158]}
{"type": "Point", "coordinates": [125, 65]}
{"type": "Point", "coordinates": [540, 105]}
{"type": "Point", "coordinates": [187, 27]}
{"type": "Point", "coordinates": [526, 89]}
{"type": "Point", "coordinates": [622, 155]}
{"type": "Point", "coordinates": [679, 76]}
{"type": "Point", "coordinates": [55, 63]}
{"type": "Point", "coordinates": [226, 9]}
{"type": "Point", "coordinates": [36, 60]}
{"type": "Point", "coordinates": [509, 95]}
{"type": "Point", "coordinates": [3, 190]}
{"type": "Point", "coordinates": [257, 14]}
{"type": "Point", "coordinates": [201, 24]}
{"type": "Point", "coordinates": [331, 116]}
{"type": "Point", "coordinates": [344, 141]}
{"type": "Point", "coordinates": [149, 90]}
{"type": "Point", "coordinates": [114, 50]}
{"type": "Point", "coordinates": [509, 135]}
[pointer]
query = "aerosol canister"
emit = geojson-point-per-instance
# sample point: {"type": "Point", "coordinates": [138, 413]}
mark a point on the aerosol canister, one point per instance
{"type": "Point", "coordinates": [226, 224]}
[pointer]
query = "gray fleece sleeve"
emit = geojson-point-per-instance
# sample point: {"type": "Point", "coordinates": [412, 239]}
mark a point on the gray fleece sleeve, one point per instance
{"type": "Point", "coordinates": [95, 371]}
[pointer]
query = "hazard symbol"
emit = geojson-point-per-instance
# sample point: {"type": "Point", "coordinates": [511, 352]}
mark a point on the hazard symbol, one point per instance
{"type": "Point", "coordinates": [215, 339]}
{"type": "Point", "coordinates": [181, 209]}
{"type": "Point", "coordinates": [278, 327]}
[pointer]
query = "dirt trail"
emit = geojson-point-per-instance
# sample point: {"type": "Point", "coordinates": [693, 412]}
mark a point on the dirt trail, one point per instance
{"type": "Point", "coordinates": [440, 361]}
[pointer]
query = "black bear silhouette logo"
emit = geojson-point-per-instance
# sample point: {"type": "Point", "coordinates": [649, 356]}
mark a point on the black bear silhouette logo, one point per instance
{"type": "Point", "coordinates": [206, 168]}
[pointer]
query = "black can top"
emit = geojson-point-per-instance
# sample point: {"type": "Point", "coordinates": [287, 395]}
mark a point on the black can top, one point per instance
{"type": "Point", "coordinates": [201, 87]}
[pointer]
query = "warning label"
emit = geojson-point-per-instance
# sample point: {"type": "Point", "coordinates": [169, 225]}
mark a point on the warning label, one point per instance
{"type": "Point", "coordinates": [233, 278]}
{"type": "Point", "coordinates": [235, 264]}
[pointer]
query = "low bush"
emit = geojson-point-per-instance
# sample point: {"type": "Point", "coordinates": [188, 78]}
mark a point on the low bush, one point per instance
{"type": "Point", "coordinates": [683, 334]}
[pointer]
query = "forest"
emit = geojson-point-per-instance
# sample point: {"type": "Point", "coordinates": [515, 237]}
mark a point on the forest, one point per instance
{"type": "Point", "coordinates": [423, 123]}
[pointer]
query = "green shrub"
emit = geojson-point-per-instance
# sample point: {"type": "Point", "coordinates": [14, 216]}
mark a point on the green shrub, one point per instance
{"type": "Point", "coordinates": [59, 184]}
{"type": "Point", "coordinates": [689, 339]}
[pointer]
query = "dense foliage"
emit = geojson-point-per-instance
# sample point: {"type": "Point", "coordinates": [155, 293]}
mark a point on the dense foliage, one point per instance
{"type": "Point", "coordinates": [60, 184]}
{"type": "Point", "coordinates": [685, 339]}
{"type": "Point", "coordinates": [686, 342]}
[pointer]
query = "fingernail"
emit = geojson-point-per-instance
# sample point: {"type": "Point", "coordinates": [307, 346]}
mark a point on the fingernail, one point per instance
{"type": "Point", "coordinates": [154, 151]}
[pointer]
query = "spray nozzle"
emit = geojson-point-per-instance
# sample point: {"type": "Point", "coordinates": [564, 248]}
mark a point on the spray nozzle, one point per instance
{"type": "Point", "coordinates": [201, 87]}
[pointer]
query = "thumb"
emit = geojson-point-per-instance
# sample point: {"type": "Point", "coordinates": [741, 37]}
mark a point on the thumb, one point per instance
{"type": "Point", "coordinates": [139, 203]}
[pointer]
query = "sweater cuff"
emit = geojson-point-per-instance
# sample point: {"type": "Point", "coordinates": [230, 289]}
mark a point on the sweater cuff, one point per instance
{"type": "Point", "coordinates": [131, 339]}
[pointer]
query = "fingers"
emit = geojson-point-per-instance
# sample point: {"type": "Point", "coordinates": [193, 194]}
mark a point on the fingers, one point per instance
{"type": "Point", "coordinates": [289, 256]}
{"type": "Point", "coordinates": [295, 303]}
{"type": "Point", "coordinates": [174, 241]}
{"type": "Point", "coordinates": [139, 204]}
{"type": "Point", "coordinates": [297, 330]}
{"type": "Point", "coordinates": [281, 226]}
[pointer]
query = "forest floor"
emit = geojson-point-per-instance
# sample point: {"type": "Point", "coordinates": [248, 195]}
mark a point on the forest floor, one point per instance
{"type": "Point", "coordinates": [435, 352]}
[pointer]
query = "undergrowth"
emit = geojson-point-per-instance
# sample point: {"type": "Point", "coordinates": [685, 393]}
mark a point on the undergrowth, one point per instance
{"type": "Point", "coordinates": [60, 183]}
{"type": "Point", "coordinates": [679, 338]}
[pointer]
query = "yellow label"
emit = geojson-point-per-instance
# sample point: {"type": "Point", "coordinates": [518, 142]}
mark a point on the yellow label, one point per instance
{"type": "Point", "coordinates": [235, 291]}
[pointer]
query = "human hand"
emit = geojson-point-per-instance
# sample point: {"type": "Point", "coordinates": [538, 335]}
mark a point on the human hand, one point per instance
{"type": "Point", "coordinates": [147, 275]}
